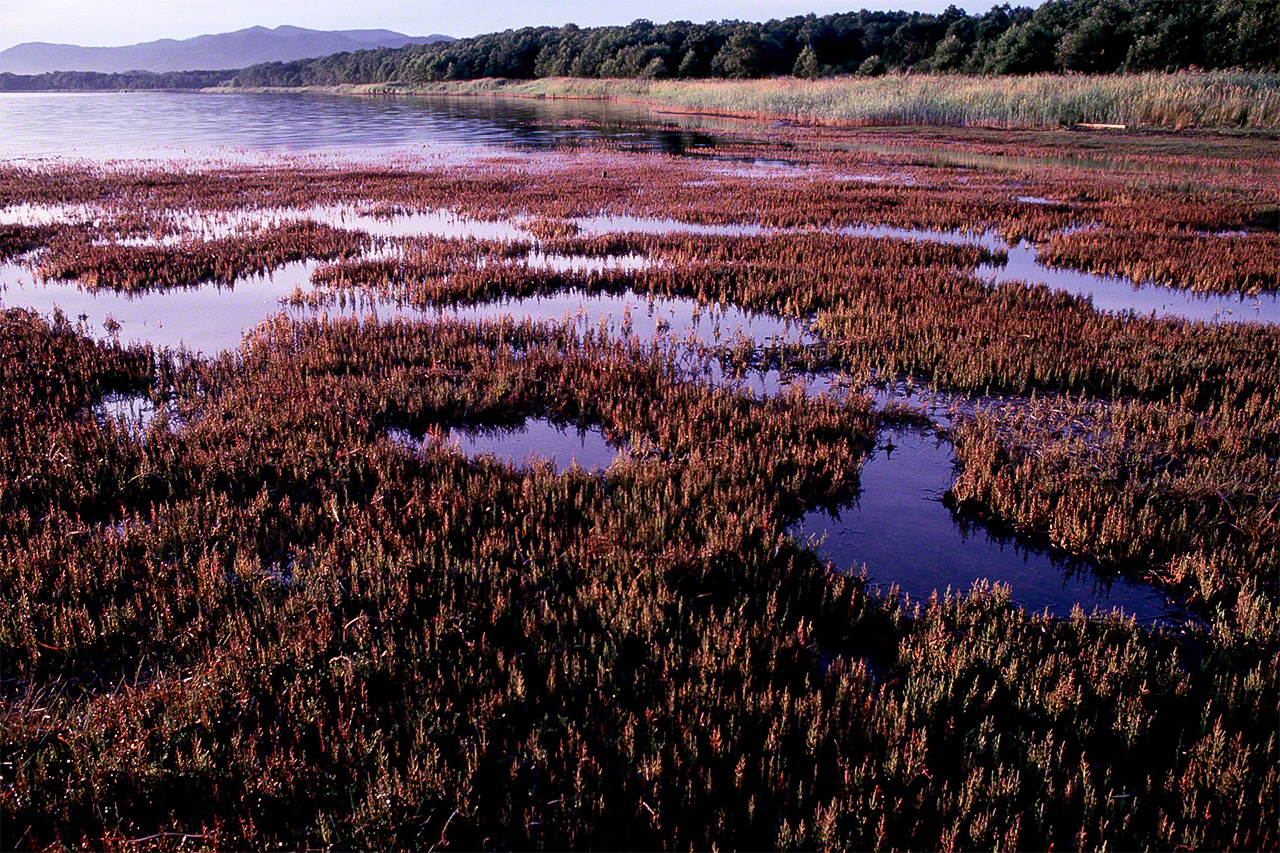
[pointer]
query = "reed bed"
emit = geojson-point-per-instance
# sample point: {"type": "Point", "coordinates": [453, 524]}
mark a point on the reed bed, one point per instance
{"type": "Point", "coordinates": [19, 239]}
{"type": "Point", "coordinates": [1193, 497]}
{"type": "Point", "coordinates": [342, 642]}
{"type": "Point", "coordinates": [1175, 101]}
{"type": "Point", "coordinates": [883, 306]}
{"type": "Point", "coordinates": [904, 194]}
{"type": "Point", "coordinates": [274, 624]}
{"type": "Point", "coordinates": [794, 275]}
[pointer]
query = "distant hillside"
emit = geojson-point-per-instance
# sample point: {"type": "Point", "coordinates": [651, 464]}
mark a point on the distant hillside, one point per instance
{"type": "Point", "coordinates": [224, 50]}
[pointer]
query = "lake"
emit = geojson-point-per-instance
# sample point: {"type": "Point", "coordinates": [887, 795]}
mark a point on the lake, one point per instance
{"type": "Point", "coordinates": [237, 128]}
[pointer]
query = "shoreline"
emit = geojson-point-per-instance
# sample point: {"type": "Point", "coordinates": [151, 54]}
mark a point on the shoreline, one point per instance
{"type": "Point", "coordinates": [1197, 102]}
{"type": "Point", "coordinates": [1184, 102]}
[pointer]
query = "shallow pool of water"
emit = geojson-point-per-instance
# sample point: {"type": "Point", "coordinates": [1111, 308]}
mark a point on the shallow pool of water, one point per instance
{"type": "Point", "coordinates": [213, 319]}
{"type": "Point", "coordinates": [903, 534]}
{"type": "Point", "coordinates": [607, 223]}
{"type": "Point", "coordinates": [1107, 293]}
{"type": "Point", "coordinates": [208, 318]}
{"type": "Point", "coordinates": [674, 320]}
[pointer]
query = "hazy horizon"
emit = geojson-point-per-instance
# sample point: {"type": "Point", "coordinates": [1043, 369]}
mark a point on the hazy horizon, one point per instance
{"type": "Point", "coordinates": [114, 23]}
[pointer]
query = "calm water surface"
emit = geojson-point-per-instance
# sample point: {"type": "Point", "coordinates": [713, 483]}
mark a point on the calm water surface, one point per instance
{"type": "Point", "coordinates": [231, 127]}
{"type": "Point", "coordinates": [537, 439]}
{"type": "Point", "coordinates": [902, 533]}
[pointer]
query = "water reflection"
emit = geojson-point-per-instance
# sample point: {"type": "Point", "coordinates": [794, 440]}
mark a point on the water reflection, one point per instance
{"type": "Point", "coordinates": [1107, 293]}
{"type": "Point", "coordinates": [192, 126]}
{"type": "Point", "coordinates": [536, 439]}
{"type": "Point", "coordinates": [629, 314]}
{"type": "Point", "coordinates": [209, 319]}
{"type": "Point", "coordinates": [135, 412]}
{"type": "Point", "coordinates": [1118, 294]}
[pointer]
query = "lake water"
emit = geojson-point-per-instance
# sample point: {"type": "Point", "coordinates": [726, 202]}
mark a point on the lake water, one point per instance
{"type": "Point", "coordinates": [232, 127]}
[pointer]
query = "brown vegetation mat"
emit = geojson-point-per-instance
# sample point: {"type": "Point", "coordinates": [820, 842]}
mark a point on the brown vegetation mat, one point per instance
{"type": "Point", "coordinates": [223, 261]}
{"type": "Point", "coordinates": [900, 191]}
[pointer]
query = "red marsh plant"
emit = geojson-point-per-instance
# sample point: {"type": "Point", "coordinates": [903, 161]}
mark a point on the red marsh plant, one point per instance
{"type": "Point", "coordinates": [335, 640]}
{"type": "Point", "coordinates": [136, 268]}
{"type": "Point", "coordinates": [278, 625]}
{"type": "Point", "coordinates": [1237, 263]}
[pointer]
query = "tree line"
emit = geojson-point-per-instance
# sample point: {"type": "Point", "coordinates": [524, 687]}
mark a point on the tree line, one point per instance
{"type": "Point", "coordinates": [1087, 36]}
{"type": "Point", "coordinates": [93, 81]}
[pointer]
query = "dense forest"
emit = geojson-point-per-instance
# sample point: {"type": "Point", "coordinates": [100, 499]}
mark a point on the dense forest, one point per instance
{"type": "Point", "coordinates": [1087, 36]}
{"type": "Point", "coordinates": [92, 81]}
{"type": "Point", "coordinates": [1083, 36]}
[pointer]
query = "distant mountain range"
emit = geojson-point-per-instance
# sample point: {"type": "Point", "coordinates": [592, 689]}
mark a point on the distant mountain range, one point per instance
{"type": "Point", "coordinates": [210, 52]}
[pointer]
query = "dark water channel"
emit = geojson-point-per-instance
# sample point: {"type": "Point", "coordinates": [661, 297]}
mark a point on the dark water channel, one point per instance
{"type": "Point", "coordinates": [900, 530]}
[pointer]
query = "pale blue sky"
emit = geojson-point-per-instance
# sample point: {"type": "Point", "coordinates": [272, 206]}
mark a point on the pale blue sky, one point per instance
{"type": "Point", "coordinates": [115, 22]}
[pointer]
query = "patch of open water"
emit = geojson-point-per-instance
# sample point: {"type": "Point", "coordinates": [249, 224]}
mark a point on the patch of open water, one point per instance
{"type": "Point", "coordinates": [902, 532]}
{"type": "Point", "coordinates": [208, 318]}
{"type": "Point", "coordinates": [609, 223]}
{"type": "Point", "coordinates": [1117, 294]}
{"type": "Point", "coordinates": [648, 318]}
{"type": "Point", "coordinates": [230, 128]}
{"type": "Point", "coordinates": [1107, 293]}
{"type": "Point", "coordinates": [212, 319]}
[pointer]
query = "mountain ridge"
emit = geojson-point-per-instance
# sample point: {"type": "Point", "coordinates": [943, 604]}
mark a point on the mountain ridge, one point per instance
{"type": "Point", "coordinates": [213, 51]}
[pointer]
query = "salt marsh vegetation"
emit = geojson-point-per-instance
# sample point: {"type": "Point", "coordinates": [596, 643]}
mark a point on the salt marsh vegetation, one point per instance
{"type": "Point", "coordinates": [268, 588]}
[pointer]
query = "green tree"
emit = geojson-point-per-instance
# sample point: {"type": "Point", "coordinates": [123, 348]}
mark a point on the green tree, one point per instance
{"type": "Point", "coordinates": [872, 66]}
{"type": "Point", "coordinates": [1099, 43]}
{"type": "Point", "coordinates": [1026, 48]}
{"type": "Point", "coordinates": [807, 65]}
{"type": "Point", "coordinates": [747, 53]}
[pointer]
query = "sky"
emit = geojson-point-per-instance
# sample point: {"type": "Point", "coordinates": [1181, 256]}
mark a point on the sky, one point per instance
{"type": "Point", "coordinates": [118, 22]}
